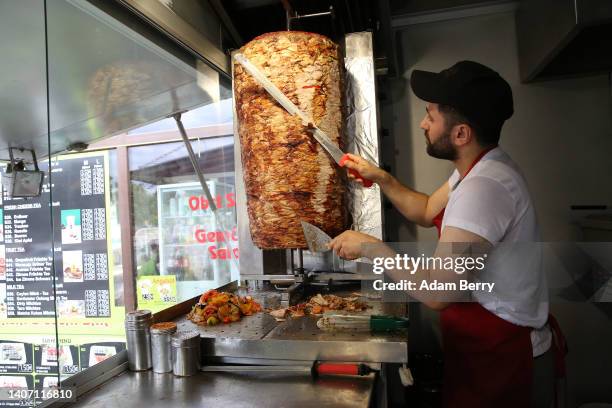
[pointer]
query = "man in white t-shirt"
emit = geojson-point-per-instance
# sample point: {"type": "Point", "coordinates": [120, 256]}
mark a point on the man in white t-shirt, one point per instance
{"type": "Point", "coordinates": [494, 344]}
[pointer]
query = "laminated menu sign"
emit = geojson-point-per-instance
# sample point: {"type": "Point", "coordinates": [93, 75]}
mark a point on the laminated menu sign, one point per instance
{"type": "Point", "coordinates": [48, 358]}
{"type": "Point", "coordinates": [80, 237]}
{"type": "Point", "coordinates": [35, 348]}
{"type": "Point", "coordinates": [79, 243]}
{"type": "Point", "coordinates": [15, 381]}
{"type": "Point", "coordinates": [29, 266]}
{"type": "Point", "coordinates": [15, 357]}
{"type": "Point", "coordinates": [94, 353]}
{"type": "Point", "coordinates": [156, 292]}
{"type": "Point", "coordinates": [76, 243]}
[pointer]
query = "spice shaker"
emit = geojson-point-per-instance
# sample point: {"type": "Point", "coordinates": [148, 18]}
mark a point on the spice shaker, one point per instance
{"type": "Point", "coordinates": [161, 334]}
{"type": "Point", "coordinates": [137, 326]}
{"type": "Point", "coordinates": [186, 353]}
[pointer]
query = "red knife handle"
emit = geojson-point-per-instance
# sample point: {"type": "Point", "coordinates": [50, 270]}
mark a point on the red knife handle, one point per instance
{"type": "Point", "coordinates": [336, 369]}
{"type": "Point", "coordinates": [321, 368]}
{"type": "Point", "coordinates": [355, 173]}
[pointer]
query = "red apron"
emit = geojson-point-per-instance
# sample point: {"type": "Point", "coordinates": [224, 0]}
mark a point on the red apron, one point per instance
{"type": "Point", "coordinates": [488, 362]}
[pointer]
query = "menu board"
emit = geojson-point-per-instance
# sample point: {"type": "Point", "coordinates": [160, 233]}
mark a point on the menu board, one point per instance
{"type": "Point", "coordinates": [61, 237]}
{"type": "Point", "coordinates": [78, 212]}
{"type": "Point", "coordinates": [42, 365]}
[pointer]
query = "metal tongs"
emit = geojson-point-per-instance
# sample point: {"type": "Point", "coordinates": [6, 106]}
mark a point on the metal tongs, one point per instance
{"type": "Point", "coordinates": [362, 323]}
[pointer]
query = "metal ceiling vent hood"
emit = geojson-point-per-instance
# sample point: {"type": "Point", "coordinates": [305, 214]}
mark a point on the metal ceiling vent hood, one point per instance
{"type": "Point", "coordinates": [564, 38]}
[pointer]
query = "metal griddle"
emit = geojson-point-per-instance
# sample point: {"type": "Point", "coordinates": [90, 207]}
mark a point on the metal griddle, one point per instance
{"type": "Point", "coordinates": [262, 337]}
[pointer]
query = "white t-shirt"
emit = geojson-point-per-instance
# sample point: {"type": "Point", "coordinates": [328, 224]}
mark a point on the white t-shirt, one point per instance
{"type": "Point", "coordinates": [493, 201]}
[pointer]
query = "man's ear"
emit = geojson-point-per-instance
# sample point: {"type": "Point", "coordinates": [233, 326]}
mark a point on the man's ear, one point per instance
{"type": "Point", "coordinates": [462, 134]}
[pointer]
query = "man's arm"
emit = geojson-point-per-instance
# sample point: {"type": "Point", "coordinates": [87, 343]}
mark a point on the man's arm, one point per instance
{"type": "Point", "coordinates": [454, 243]}
{"type": "Point", "coordinates": [417, 207]}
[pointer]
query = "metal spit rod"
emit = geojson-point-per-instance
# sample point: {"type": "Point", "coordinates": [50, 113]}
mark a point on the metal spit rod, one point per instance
{"type": "Point", "coordinates": [300, 260]}
{"type": "Point", "coordinates": [291, 14]}
{"type": "Point", "coordinates": [194, 162]}
{"type": "Point", "coordinates": [202, 180]}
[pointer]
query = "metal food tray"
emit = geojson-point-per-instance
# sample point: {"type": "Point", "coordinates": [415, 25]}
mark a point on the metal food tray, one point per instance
{"type": "Point", "coordinates": [253, 327]}
{"type": "Point", "coordinates": [262, 337]}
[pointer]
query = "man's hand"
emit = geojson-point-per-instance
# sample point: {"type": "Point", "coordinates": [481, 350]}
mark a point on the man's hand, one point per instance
{"type": "Point", "coordinates": [366, 169]}
{"type": "Point", "coordinates": [348, 244]}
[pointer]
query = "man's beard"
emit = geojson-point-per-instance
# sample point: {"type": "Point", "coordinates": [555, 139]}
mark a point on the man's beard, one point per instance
{"type": "Point", "coordinates": [442, 148]}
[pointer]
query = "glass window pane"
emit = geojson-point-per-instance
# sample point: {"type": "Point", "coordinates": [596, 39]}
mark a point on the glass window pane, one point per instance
{"type": "Point", "coordinates": [71, 245]}
{"type": "Point", "coordinates": [62, 298]}
{"type": "Point", "coordinates": [180, 245]}
{"type": "Point", "coordinates": [212, 114]}
{"type": "Point", "coordinates": [29, 353]}
{"type": "Point", "coordinates": [109, 72]}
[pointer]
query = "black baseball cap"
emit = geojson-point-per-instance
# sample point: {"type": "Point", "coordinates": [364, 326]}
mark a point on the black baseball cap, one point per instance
{"type": "Point", "coordinates": [474, 90]}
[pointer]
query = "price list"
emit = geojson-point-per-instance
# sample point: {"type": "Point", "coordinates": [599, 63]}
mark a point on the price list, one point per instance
{"type": "Point", "coordinates": [72, 238]}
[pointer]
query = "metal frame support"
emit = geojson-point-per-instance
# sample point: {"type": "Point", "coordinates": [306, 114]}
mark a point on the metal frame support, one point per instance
{"type": "Point", "coordinates": [127, 229]}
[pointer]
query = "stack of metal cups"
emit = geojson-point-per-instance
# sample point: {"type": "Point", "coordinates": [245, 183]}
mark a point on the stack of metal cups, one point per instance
{"type": "Point", "coordinates": [186, 353]}
{"type": "Point", "coordinates": [161, 334]}
{"type": "Point", "coordinates": [137, 326]}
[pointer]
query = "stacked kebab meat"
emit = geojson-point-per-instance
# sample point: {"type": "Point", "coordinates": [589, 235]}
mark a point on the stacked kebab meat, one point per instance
{"type": "Point", "coordinates": [288, 177]}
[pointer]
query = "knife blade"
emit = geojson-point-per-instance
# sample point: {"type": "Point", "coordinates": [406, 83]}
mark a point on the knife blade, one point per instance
{"type": "Point", "coordinates": [334, 151]}
{"type": "Point", "coordinates": [316, 369]}
{"type": "Point", "coordinates": [316, 238]}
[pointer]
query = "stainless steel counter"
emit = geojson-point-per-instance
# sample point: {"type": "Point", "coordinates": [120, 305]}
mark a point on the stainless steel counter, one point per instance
{"type": "Point", "coordinates": [153, 390]}
{"type": "Point", "coordinates": [258, 339]}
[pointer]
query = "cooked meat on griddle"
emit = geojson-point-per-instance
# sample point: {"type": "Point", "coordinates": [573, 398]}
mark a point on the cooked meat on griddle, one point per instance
{"type": "Point", "coordinates": [320, 304]}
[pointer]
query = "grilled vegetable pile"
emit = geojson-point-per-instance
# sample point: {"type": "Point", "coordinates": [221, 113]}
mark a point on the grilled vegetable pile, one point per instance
{"type": "Point", "coordinates": [222, 307]}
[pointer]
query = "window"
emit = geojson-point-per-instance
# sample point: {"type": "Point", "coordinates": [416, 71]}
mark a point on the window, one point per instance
{"type": "Point", "coordinates": [182, 247]}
